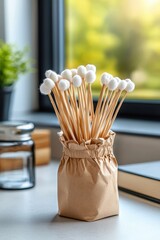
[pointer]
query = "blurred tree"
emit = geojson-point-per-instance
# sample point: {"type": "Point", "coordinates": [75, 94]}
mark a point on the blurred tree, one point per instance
{"type": "Point", "coordinates": [121, 37]}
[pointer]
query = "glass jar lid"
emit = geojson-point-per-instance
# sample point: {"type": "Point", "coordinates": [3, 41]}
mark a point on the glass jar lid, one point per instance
{"type": "Point", "coordinates": [13, 130]}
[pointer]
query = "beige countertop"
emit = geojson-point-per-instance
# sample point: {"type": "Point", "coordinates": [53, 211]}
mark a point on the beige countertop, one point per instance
{"type": "Point", "coordinates": [32, 214]}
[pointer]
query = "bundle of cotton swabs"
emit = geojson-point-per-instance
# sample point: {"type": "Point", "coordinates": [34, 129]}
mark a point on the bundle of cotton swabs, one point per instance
{"type": "Point", "coordinates": [71, 97]}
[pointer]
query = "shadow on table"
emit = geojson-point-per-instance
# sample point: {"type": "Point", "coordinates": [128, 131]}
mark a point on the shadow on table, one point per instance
{"type": "Point", "coordinates": [58, 219]}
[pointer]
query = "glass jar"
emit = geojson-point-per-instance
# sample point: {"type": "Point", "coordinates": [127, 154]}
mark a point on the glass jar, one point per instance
{"type": "Point", "coordinates": [17, 162]}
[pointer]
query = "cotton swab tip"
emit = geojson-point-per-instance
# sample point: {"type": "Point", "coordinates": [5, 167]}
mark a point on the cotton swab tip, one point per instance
{"type": "Point", "coordinates": [117, 79]}
{"type": "Point", "coordinates": [59, 77]}
{"type": "Point", "coordinates": [77, 81]}
{"type": "Point", "coordinates": [49, 83]}
{"type": "Point", "coordinates": [51, 74]}
{"type": "Point", "coordinates": [44, 89]}
{"type": "Point", "coordinates": [63, 85]}
{"type": "Point", "coordinates": [128, 80]}
{"type": "Point", "coordinates": [130, 86]}
{"type": "Point", "coordinates": [81, 70]}
{"type": "Point", "coordinates": [47, 73]}
{"type": "Point", "coordinates": [112, 85]}
{"type": "Point", "coordinates": [105, 78]}
{"type": "Point", "coordinates": [122, 85]}
{"type": "Point", "coordinates": [67, 74]}
{"type": "Point", "coordinates": [74, 72]}
{"type": "Point", "coordinates": [91, 67]}
{"type": "Point", "coordinates": [90, 76]}
{"type": "Point", "coordinates": [68, 84]}
{"type": "Point", "coordinates": [54, 76]}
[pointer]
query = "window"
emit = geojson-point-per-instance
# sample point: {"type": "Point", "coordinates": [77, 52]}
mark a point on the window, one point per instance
{"type": "Point", "coordinates": [121, 37]}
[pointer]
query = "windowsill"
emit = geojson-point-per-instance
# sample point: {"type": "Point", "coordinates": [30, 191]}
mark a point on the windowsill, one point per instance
{"type": "Point", "coordinates": [121, 125]}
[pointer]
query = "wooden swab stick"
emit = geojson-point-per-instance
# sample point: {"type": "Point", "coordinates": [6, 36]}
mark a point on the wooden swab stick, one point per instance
{"type": "Point", "coordinates": [90, 78]}
{"type": "Point", "coordinates": [81, 114]}
{"type": "Point", "coordinates": [104, 101]}
{"type": "Point", "coordinates": [45, 90]}
{"type": "Point", "coordinates": [105, 79]}
{"type": "Point", "coordinates": [67, 74]}
{"type": "Point", "coordinates": [112, 86]}
{"type": "Point", "coordinates": [129, 88]}
{"type": "Point", "coordinates": [63, 106]}
{"type": "Point", "coordinates": [58, 96]}
{"type": "Point", "coordinates": [106, 130]}
{"type": "Point", "coordinates": [62, 125]}
{"type": "Point", "coordinates": [101, 118]}
{"type": "Point", "coordinates": [81, 71]}
{"type": "Point", "coordinates": [84, 111]}
{"type": "Point", "coordinates": [71, 112]}
{"type": "Point", "coordinates": [75, 114]}
{"type": "Point", "coordinates": [91, 67]}
{"type": "Point", "coordinates": [121, 86]}
{"type": "Point", "coordinates": [110, 112]}
{"type": "Point", "coordinates": [61, 102]}
{"type": "Point", "coordinates": [97, 109]}
{"type": "Point", "coordinates": [77, 82]}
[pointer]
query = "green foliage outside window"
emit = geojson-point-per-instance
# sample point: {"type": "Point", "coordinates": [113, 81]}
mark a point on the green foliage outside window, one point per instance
{"type": "Point", "coordinates": [120, 37]}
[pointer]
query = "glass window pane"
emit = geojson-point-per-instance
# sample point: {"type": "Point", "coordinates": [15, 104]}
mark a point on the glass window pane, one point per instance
{"type": "Point", "coordinates": [120, 37]}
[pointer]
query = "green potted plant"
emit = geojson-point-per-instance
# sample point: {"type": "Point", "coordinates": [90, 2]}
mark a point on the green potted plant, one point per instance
{"type": "Point", "coordinates": [13, 62]}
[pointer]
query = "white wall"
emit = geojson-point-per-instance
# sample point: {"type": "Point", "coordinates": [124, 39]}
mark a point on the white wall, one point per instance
{"type": "Point", "coordinates": [21, 29]}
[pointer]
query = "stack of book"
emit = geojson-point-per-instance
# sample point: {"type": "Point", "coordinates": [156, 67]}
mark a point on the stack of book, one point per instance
{"type": "Point", "coordinates": [141, 179]}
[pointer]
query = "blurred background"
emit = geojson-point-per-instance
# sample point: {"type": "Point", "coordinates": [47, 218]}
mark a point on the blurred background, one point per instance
{"type": "Point", "coordinates": [119, 37]}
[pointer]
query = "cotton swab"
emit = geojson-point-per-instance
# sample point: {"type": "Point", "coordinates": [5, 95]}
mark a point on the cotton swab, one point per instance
{"type": "Point", "coordinates": [59, 77]}
{"type": "Point", "coordinates": [91, 67]}
{"type": "Point", "coordinates": [90, 77]}
{"type": "Point", "coordinates": [67, 74]}
{"type": "Point", "coordinates": [121, 86]}
{"type": "Point", "coordinates": [46, 90]}
{"type": "Point", "coordinates": [74, 72]}
{"type": "Point", "coordinates": [129, 88]}
{"type": "Point", "coordinates": [81, 71]}
{"type": "Point", "coordinates": [77, 82]}
{"type": "Point", "coordinates": [50, 85]}
{"type": "Point", "coordinates": [105, 78]}
{"type": "Point", "coordinates": [112, 86]}
{"type": "Point", "coordinates": [52, 75]}
{"type": "Point", "coordinates": [64, 86]}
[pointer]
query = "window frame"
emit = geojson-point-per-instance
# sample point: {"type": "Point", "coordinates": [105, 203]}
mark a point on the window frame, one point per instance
{"type": "Point", "coordinates": [51, 41]}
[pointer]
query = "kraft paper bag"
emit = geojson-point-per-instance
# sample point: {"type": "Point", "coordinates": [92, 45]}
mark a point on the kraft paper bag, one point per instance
{"type": "Point", "coordinates": [87, 180]}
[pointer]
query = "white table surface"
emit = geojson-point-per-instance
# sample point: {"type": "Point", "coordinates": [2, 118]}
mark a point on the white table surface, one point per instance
{"type": "Point", "coordinates": [32, 214]}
